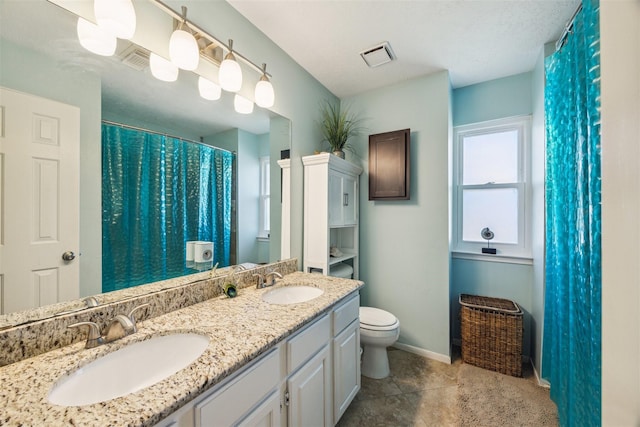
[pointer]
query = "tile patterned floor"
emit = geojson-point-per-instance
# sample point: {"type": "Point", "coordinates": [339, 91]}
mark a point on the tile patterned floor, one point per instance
{"type": "Point", "coordinates": [418, 392]}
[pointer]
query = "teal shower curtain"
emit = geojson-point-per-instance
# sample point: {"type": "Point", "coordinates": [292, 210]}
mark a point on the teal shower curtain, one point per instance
{"type": "Point", "coordinates": [159, 192]}
{"type": "Point", "coordinates": [572, 328]}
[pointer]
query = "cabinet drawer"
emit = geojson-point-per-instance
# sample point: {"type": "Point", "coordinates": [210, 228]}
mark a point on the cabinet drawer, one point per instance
{"type": "Point", "coordinates": [228, 404]}
{"type": "Point", "coordinates": [307, 342]}
{"type": "Point", "coordinates": [345, 314]}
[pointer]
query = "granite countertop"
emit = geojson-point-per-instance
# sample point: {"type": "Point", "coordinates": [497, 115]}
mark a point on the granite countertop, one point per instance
{"type": "Point", "coordinates": [240, 329]}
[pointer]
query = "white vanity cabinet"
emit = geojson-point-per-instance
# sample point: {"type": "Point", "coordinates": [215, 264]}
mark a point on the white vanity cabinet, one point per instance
{"type": "Point", "coordinates": [306, 380]}
{"type": "Point", "coordinates": [330, 212]}
{"type": "Point", "coordinates": [346, 355]}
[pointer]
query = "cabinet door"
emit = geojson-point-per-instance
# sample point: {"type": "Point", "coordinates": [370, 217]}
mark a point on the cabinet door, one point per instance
{"type": "Point", "coordinates": [310, 392]}
{"type": "Point", "coordinates": [349, 202]}
{"type": "Point", "coordinates": [346, 369]}
{"type": "Point", "coordinates": [232, 401]}
{"type": "Point", "coordinates": [335, 199]}
{"type": "Point", "coordinates": [265, 415]}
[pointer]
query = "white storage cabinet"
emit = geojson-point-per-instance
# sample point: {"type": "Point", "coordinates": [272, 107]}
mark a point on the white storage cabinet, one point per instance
{"type": "Point", "coordinates": [331, 191]}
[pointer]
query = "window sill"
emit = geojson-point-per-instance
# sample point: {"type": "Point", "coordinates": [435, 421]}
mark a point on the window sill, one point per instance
{"type": "Point", "coordinates": [507, 259]}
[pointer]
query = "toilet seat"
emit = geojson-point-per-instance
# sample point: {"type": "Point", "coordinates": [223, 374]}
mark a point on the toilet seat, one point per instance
{"type": "Point", "coordinates": [375, 319]}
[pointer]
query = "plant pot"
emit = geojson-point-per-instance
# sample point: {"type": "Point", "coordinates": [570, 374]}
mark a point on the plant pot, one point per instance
{"type": "Point", "coordinates": [339, 153]}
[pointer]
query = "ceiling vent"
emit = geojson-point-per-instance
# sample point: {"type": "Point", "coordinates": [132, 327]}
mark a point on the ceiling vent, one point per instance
{"type": "Point", "coordinates": [135, 57]}
{"type": "Point", "coordinates": [378, 55]}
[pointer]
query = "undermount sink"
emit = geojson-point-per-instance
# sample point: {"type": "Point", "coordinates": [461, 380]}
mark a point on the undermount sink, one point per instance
{"type": "Point", "coordinates": [128, 370]}
{"type": "Point", "coordinates": [291, 294]}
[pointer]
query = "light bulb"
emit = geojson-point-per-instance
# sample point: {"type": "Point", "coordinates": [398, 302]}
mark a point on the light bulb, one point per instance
{"type": "Point", "coordinates": [162, 69]}
{"type": "Point", "coordinates": [264, 94]}
{"type": "Point", "coordinates": [95, 39]}
{"type": "Point", "coordinates": [208, 89]}
{"type": "Point", "coordinates": [242, 105]}
{"type": "Point", "coordinates": [230, 74]}
{"type": "Point", "coordinates": [118, 17]}
{"type": "Point", "coordinates": [183, 50]}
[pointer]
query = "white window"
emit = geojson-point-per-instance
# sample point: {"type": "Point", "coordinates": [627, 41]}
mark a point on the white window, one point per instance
{"type": "Point", "coordinates": [265, 198]}
{"type": "Point", "coordinates": [491, 186]}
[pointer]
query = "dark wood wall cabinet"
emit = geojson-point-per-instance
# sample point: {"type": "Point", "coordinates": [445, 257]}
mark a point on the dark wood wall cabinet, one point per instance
{"type": "Point", "coordinates": [389, 165]}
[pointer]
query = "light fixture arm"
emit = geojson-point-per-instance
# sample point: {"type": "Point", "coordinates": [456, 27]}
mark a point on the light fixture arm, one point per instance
{"type": "Point", "coordinates": [184, 18]}
{"type": "Point", "coordinates": [264, 76]}
{"type": "Point", "coordinates": [208, 36]}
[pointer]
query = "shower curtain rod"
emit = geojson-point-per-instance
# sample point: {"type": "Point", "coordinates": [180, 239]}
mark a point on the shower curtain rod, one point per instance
{"type": "Point", "coordinates": [567, 29]}
{"type": "Point", "coordinates": [122, 125]}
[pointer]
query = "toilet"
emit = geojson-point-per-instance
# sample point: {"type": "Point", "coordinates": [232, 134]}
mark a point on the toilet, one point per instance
{"type": "Point", "coordinates": [379, 329]}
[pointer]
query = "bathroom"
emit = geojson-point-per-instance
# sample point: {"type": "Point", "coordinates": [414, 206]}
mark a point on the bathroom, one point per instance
{"type": "Point", "coordinates": [428, 277]}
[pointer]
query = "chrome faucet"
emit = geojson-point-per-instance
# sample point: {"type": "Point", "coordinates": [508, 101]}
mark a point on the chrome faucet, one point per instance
{"type": "Point", "coordinates": [119, 327]}
{"type": "Point", "coordinates": [273, 276]}
{"type": "Point", "coordinates": [260, 283]}
{"type": "Point", "coordinates": [94, 338]}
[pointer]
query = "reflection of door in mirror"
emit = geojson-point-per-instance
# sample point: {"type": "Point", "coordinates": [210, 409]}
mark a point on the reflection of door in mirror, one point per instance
{"type": "Point", "coordinates": [39, 157]}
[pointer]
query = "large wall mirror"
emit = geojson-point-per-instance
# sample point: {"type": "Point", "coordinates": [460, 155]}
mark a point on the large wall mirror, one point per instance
{"type": "Point", "coordinates": [41, 56]}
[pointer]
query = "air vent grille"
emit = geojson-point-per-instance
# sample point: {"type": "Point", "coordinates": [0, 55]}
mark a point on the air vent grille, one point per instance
{"type": "Point", "coordinates": [378, 55]}
{"type": "Point", "coordinates": [136, 58]}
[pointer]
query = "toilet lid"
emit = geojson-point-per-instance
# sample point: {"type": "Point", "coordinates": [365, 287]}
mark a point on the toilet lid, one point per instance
{"type": "Point", "coordinates": [376, 317]}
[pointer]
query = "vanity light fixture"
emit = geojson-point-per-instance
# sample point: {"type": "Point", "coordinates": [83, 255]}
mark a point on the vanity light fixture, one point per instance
{"type": "Point", "coordinates": [95, 39]}
{"type": "Point", "coordinates": [230, 74]}
{"type": "Point", "coordinates": [242, 105]}
{"type": "Point", "coordinates": [117, 17]}
{"type": "Point", "coordinates": [162, 69]}
{"type": "Point", "coordinates": [208, 89]}
{"type": "Point", "coordinates": [264, 95]}
{"type": "Point", "coordinates": [183, 47]}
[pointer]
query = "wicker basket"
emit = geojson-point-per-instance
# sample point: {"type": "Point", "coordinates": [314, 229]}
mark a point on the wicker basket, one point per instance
{"type": "Point", "coordinates": [491, 334]}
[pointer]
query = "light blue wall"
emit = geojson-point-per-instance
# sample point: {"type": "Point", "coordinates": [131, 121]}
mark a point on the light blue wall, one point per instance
{"type": "Point", "coordinates": [493, 279]}
{"type": "Point", "coordinates": [495, 99]}
{"type": "Point", "coordinates": [404, 245]}
{"type": "Point", "coordinates": [38, 74]}
{"type": "Point", "coordinates": [506, 97]}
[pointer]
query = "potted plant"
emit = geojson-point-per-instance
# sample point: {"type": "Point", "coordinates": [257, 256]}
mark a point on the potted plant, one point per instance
{"type": "Point", "coordinates": [338, 124]}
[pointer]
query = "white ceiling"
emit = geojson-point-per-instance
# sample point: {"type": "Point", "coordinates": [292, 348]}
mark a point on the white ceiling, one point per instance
{"type": "Point", "coordinates": [476, 40]}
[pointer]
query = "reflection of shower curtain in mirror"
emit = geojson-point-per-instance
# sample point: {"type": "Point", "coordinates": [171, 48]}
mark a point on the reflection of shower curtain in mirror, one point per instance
{"type": "Point", "coordinates": [159, 192]}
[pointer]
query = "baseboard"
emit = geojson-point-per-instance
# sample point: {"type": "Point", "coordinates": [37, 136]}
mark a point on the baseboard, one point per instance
{"type": "Point", "coordinates": [541, 382]}
{"type": "Point", "coordinates": [422, 352]}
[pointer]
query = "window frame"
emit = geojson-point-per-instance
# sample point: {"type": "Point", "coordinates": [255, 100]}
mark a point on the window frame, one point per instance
{"type": "Point", "coordinates": [264, 198]}
{"type": "Point", "coordinates": [522, 124]}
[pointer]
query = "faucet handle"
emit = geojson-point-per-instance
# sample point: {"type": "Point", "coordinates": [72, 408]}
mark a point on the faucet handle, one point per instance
{"type": "Point", "coordinates": [133, 319]}
{"type": "Point", "coordinates": [261, 281]}
{"type": "Point", "coordinates": [94, 338]}
{"type": "Point", "coordinates": [91, 301]}
{"type": "Point", "coordinates": [273, 276]}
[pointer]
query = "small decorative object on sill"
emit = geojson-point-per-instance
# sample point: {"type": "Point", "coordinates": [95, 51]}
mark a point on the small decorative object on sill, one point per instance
{"type": "Point", "coordinates": [487, 234]}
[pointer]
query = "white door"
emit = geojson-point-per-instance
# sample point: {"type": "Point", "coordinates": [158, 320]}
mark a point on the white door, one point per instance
{"type": "Point", "coordinates": [350, 210]}
{"type": "Point", "coordinates": [39, 193]}
{"type": "Point", "coordinates": [310, 393]}
{"type": "Point", "coordinates": [265, 415]}
{"type": "Point", "coordinates": [336, 199]}
{"type": "Point", "coordinates": [346, 369]}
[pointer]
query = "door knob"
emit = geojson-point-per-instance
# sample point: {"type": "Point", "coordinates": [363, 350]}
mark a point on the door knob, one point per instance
{"type": "Point", "coordinates": [68, 256]}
